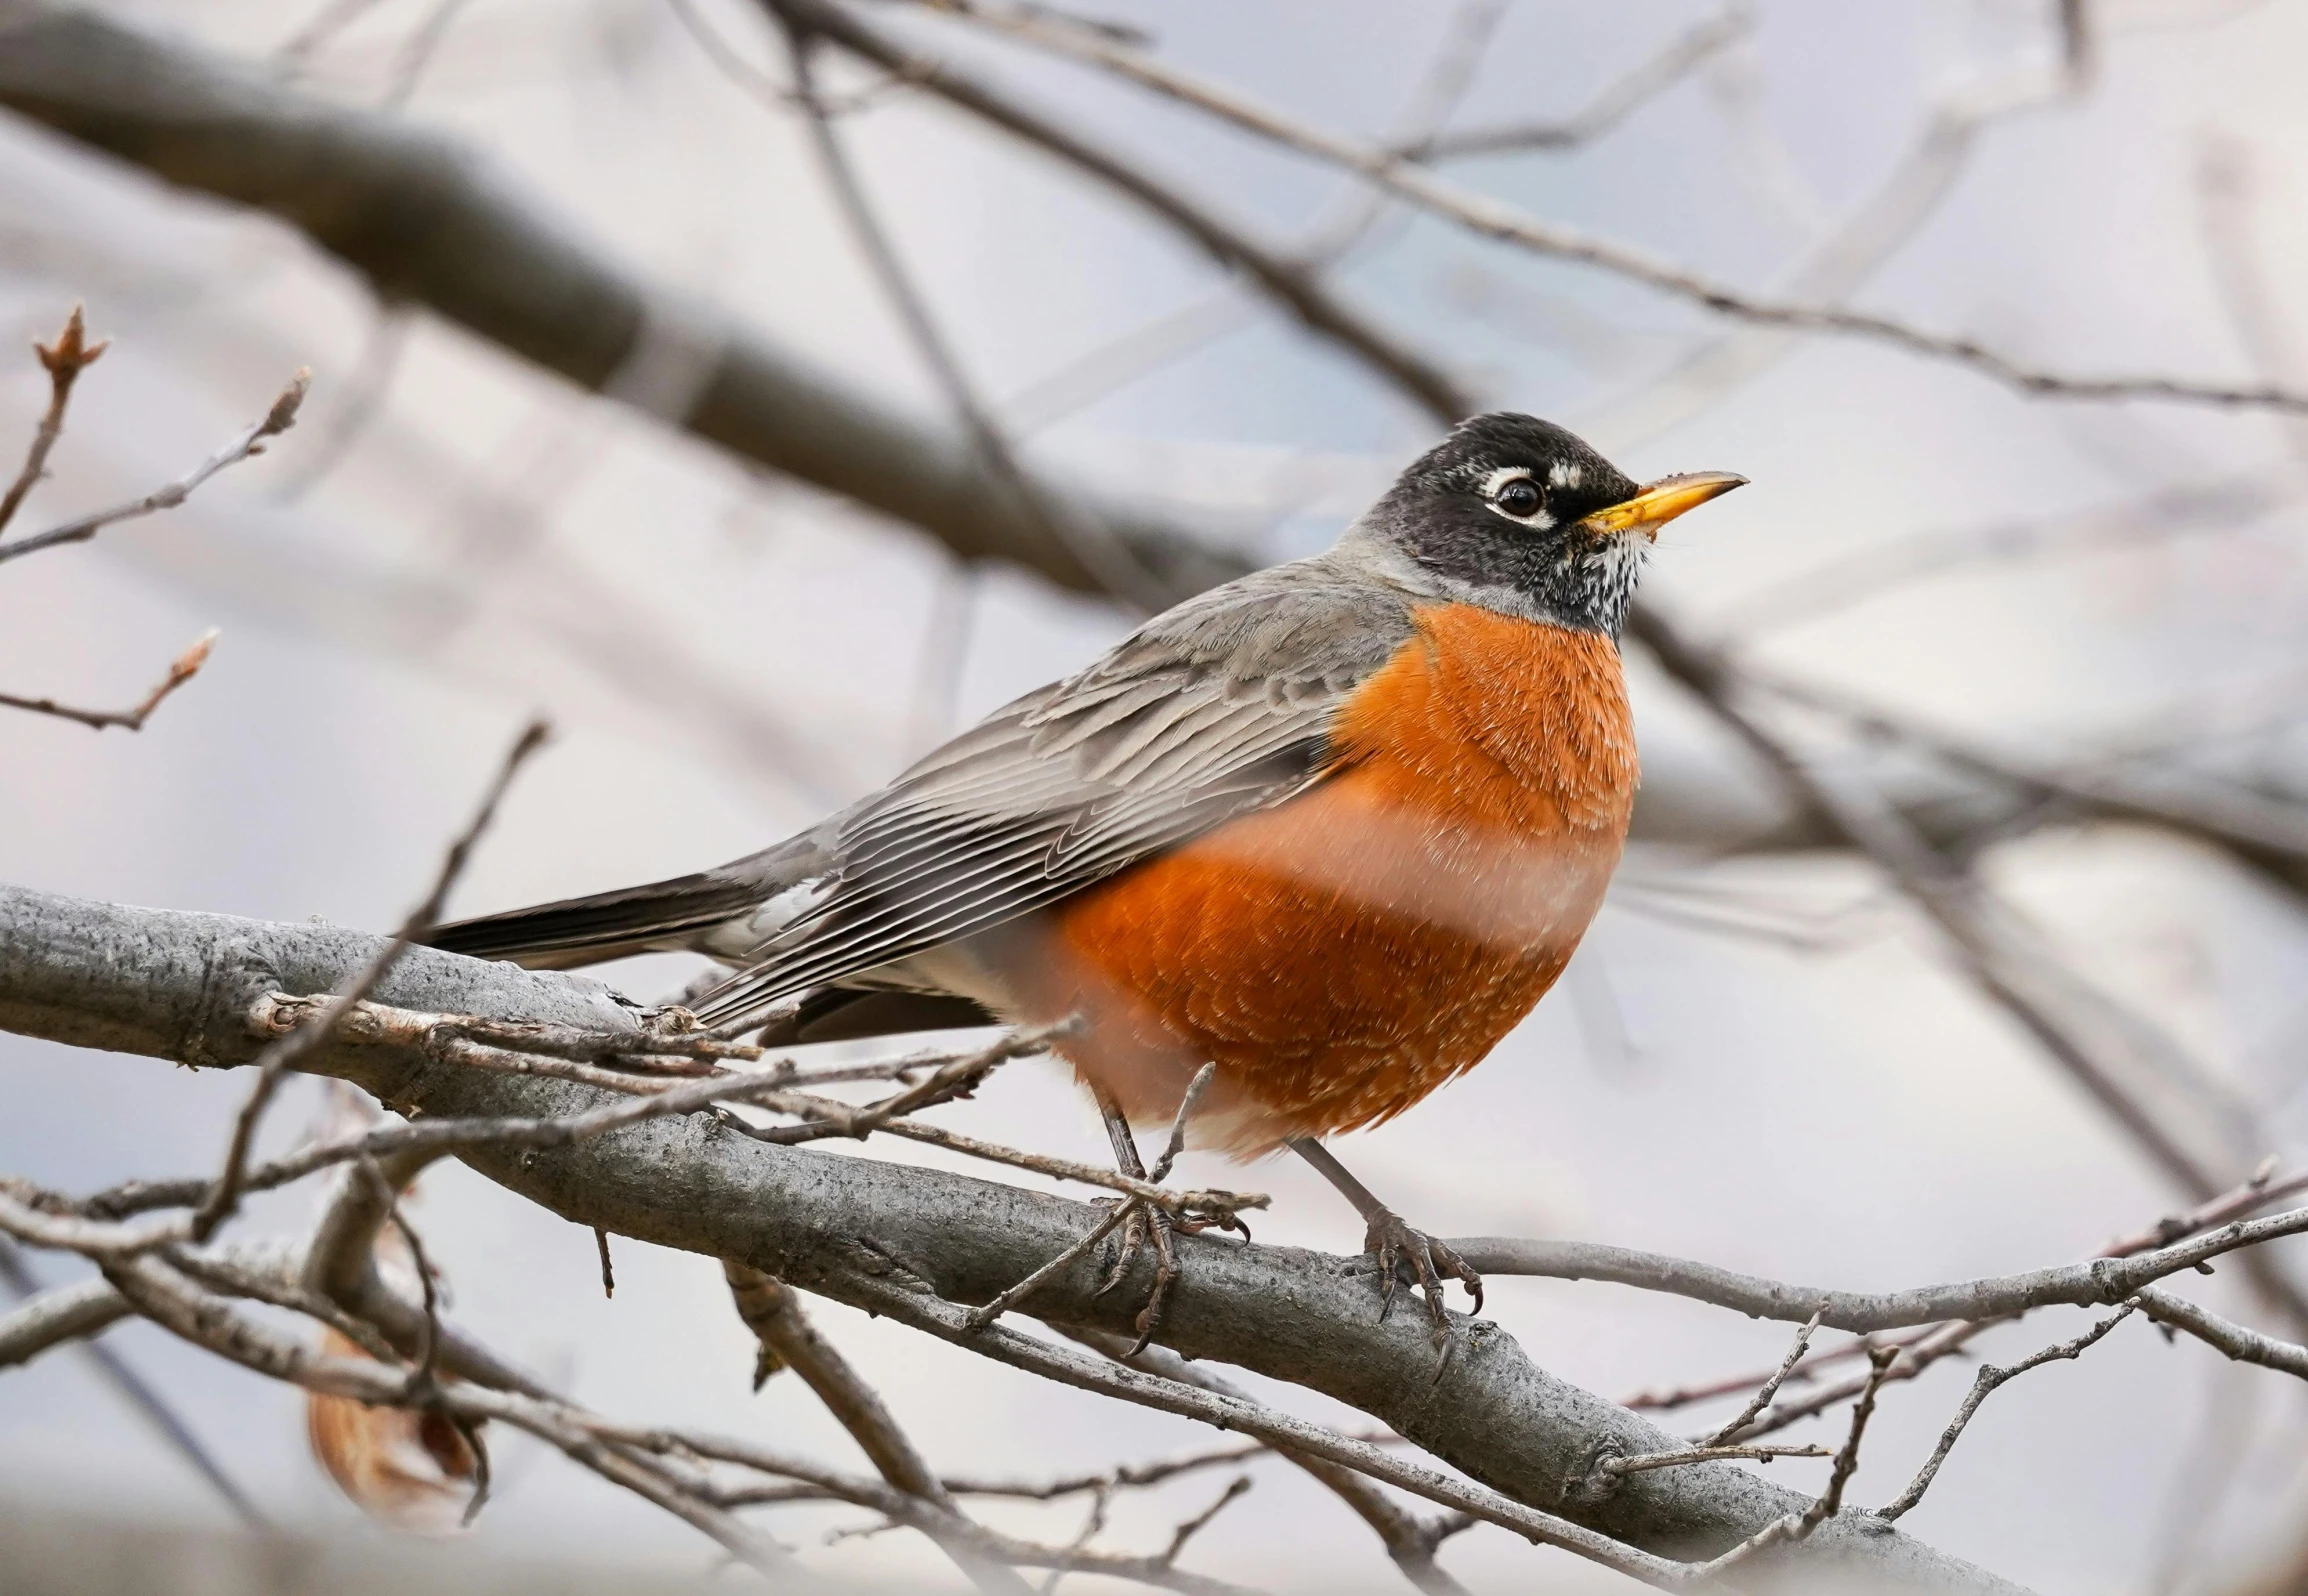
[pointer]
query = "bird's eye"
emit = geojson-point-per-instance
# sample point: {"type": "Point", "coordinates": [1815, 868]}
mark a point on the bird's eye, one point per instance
{"type": "Point", "coordinates": [1519, 497]}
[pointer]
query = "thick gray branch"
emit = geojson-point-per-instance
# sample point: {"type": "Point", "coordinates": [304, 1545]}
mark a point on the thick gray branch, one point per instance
{"type": "Point", "coordinates": [180, 986]}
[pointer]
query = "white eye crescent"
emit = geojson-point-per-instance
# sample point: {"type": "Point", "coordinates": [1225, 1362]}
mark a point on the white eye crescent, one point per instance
{"type": "Point", "coordinates": [1514, 494]}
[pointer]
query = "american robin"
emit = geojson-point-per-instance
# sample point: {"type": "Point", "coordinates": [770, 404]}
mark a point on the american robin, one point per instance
{"type": "Point", "coordinates": [1334, 827]}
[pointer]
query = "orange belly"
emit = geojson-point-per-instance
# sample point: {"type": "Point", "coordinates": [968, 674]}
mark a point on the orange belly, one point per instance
{"type": "Point", "coordinates": [1342, 955]}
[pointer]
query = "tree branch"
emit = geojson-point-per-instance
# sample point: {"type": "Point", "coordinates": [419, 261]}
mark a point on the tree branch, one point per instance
{"type": "Point", "coordinates": [2095, 1283]}
{"type": "Point", "coordinates": [1288, 283]}
{"type": "Point", "coordinates": [64, 358]}
{"type": "Point", "coordinates": [774, 1313]}
{"type": "Point", "coordinates": [428, 222]}
{"type": "Point", "coordinates": [181, 986]}
{"type": "Point", "coordinates": [1495, 219]}
{"type": "Point", "coordinates": [247, 442]}
{"type": "Point", "coordinates": [181, 670]}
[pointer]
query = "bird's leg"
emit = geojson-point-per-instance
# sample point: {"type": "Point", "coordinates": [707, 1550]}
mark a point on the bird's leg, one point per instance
{"type": "Point", "coordinates": [1142, 1222]}
{"type": "Point", "coordinates": [1393, 1243]}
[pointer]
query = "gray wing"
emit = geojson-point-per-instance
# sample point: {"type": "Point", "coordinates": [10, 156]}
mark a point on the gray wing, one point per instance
{"type": "Point", "coordinates": [1220, 706]}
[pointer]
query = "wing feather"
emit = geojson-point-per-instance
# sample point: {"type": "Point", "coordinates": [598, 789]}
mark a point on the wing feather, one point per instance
{"type": "Point", "coordinates": [1219, 707]}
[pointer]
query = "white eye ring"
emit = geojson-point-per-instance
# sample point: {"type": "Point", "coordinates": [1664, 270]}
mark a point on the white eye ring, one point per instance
{"type": "Point", "coordinates": [1505, 477]}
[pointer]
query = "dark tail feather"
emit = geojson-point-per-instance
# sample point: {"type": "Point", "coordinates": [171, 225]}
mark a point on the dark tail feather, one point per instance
{"type": "Point", "coordinates": [836, 1014]}
{"type": "Point", "coordinates": [609, 925]}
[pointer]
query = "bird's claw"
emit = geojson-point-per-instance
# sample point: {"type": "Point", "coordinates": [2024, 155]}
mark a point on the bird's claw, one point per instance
{"type": "Point", "coordinates": [1402, 1253]}
{"type": "Point", "coordinates": [1145, 1223]}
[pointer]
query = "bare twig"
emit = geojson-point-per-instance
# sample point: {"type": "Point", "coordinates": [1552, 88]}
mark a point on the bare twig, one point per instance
{"type": "Point", "coordinates": [208, 1321]}
{"type": "Point", "coordinates": [1284, 280]}
{"type": "Point", "coordinates": [2104, 1279]}
{"type": "Point", "coordinates": [292, 1049]}
{"type": "Point", "coordinates": [63, 1232]}
{"type": "Point", "coordinates": [1494, 219]}
{"type": "Point", "coordinates": [772, 1310]}
{"type": "Point", "coordinates": [992, 1309]}
{"type": "Point", "coordinates": [951, 1323]}
{"type": "Point", "coordinates": [1927, 1346]}
{"type": "Point", "coordinates": [1409, 1540]}
{"type": "Point", "coordinates": [833, 1116]}
{"type": "Point", "coordinates": [650, 1099]}
{"type": "Point", "coordinates": [2238, 1342]}
{"type": "Point", "coordinates": [81, 1313]}
{"type": "Point", "coordinates": [186, 666]}
{"type": "Point", "coordinates": [1094, 545]}
{"type": "Point", "coordinates": [899, 1507]}
{"type": "Point", "coordinates": [1989, 1378]}
{"type": "Point", "coordinates": [2099, 1042]}
{"type": "Point", "coordinates": [64, 359]}
{"type": "Point", "coordinates": [667, 1034]}
{"type": "Point", "coordinates": [1770, 1388]}
{"type": "Point", "coordinates": [1845, 579]}
{"type": "Point", "coordinates": [249, 442]}
{"type": "Point", "coordinates": [1187, 1103]}
{"type": "Point", "coordinates": [1618, 100]}
{"type": "Point", "coordinates": [1194, 1526]}
{"type": "Point", "coordinates": [417, 52]}
{"type": "Point", "coordinates": [1796, 1527]}
{"type": "Point", "coordinates": [55, 1317]}
{"type": "Point", "coordinates": [1705, 1454]}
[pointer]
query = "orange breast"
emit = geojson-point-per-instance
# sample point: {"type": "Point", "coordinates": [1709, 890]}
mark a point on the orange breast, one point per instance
{"type": "Point", "coordinates": [1343, 954]}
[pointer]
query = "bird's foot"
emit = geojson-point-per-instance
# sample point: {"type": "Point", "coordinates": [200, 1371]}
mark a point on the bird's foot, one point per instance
{"type": "Point", "coordinates": [1147, 1228]}
{"type": "Point", "coordinates": [1411, 1257]}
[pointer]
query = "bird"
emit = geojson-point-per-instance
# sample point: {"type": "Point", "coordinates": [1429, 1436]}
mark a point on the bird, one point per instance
{"type": "Point", "coordinates": [1331, 830]}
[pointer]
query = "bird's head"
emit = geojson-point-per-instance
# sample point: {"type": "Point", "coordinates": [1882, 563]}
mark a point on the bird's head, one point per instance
{"type": "Point", "coordinates": [1515, 514]}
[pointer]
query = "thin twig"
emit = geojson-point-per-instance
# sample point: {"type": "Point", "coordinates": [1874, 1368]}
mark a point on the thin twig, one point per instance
{"type": "Point", "coordinates": [417, 53]}
{"type": "Point", "coordinates": [1104, 555]}
{"type": "Point", "coordinates": [1409, 1540]}
{"type": "Point", "coordinates": [185, 666]}
{"type": "Point", "coordinates": [1770, 1388]}
{"type": "Point", "coordinates": [949, 1322]}
{"type": "Point", "coordinates": [1285, 280]}
{"type": "Point", "coordinates": [293, 1049]}
{"type": "Point", "coordinates": [70, 1316]}
{"type": "Point", "coordinates": [1644, 1462]}
{"type": "Point", "coordinates": [2107, 1277]}
{"type": "Point", "coordinates": [249, 442]}
{"type": "Point", "coordinates": [208, 1321]}
{"type": "Point", "coordinates": [663, 1034]}
{"type": "Point", "coordinates": [774, 1314]}
{"type": "Point", "coordinates": [2098, 1041]}
{"type": "Point", "coordinates": [1194, 1526]}
{"type": "Point", "coordinates": [1798, 1527]}
{"type": "Point", "coordinates": [1187, 1104]}
{"type": "Point", "coordinates": [1618, 100]}
{"type": "Point", "coordinates": [1989, 1378]}
{"type": "Point", "coordinates": [830, 1116]}
{"type": "Point", "coordinates": [64, 358]}
{"type": "Point", "coordinates": [1920, 1349]}
{"type": "Point", "coordinates": [646, 1100]}
{"type": "Point", "coordinates": [899, 1507]}
{"type": "Point", "coordinates": [2238, 1342]}
{"type": "Point", "coordinates": [1495, 219]}
{"type": "Point", "coordinates": [995, 1307]}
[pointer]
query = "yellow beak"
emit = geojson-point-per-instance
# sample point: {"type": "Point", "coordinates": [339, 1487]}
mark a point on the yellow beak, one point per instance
{"type": "Point", "coordinates": [1661, 502]}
